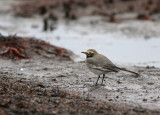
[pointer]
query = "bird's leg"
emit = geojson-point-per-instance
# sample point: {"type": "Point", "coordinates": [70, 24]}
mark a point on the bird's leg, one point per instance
{"type": "Point", "coordinates": [103, 78]}
{"type": "Point", "coordinates": [97, 79]}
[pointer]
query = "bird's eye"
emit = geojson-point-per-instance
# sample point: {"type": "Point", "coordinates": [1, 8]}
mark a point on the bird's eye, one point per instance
{"type": "Point", "coordinates": [90, 54]}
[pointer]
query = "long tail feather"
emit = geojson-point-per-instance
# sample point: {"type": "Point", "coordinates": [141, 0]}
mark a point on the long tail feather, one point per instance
{"type": "Point", "coordinates": [124, 69]}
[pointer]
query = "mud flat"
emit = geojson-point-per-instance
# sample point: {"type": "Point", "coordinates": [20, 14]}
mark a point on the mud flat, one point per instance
{"type": "Point", "coordinates": [28, 81]}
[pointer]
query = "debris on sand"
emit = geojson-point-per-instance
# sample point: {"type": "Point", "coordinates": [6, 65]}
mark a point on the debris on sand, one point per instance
{"type": "Point", "coordinates": [27, 97]}
{"type": "Point", "coordinates": [13, 47]}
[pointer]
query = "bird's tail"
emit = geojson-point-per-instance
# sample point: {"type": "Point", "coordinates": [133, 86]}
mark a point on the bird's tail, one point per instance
{"type": "Point", "coordinates": [124, 69]}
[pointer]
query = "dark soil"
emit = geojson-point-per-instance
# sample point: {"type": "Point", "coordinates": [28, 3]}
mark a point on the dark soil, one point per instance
{"type": "Point", "coordinates": [22, 96]}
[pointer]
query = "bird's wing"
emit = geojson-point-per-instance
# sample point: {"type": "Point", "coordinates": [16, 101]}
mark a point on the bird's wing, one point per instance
{"type": "Point", "coordinates": [111, 68]}
{"type": "Point", "coordinates": [98, 68]}
{"type": "Point", "coordinates": [102, 65]}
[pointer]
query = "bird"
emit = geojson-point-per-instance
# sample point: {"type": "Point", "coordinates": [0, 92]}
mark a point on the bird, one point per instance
{"type": "Point", "coordinates": [101, 65]}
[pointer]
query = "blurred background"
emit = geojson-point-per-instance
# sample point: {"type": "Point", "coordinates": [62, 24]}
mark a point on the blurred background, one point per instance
{"type": "Point", "coordinates": [126, 31]}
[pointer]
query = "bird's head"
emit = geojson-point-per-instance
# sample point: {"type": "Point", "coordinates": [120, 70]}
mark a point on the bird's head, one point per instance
{"type": "Point", "coordinates": [90, 53]}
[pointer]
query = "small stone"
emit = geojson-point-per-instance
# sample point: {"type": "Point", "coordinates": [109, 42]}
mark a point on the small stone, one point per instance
{"type": "Point", "coordinates": [54, 80]}
{"type": "Point", "coordinates": [45, 68]}
{"type": "Point", "coordinates": [119, 82]}
{"type": "Point", "coordinates": [145, 100]}
{"type": "Point", "coordinates": [154, 100]}
{"type": "Point", "coordinates": [150, 83]}
{"type": "Point", "coordinates": [40, 85]}
{"type": "Point", "coordinates": [61, 76]}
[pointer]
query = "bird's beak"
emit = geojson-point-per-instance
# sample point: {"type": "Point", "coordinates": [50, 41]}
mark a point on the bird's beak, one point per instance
{"type": "Point", "coordinates": [84, 52]}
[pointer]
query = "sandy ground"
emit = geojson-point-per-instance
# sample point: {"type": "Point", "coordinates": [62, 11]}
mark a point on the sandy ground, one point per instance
{"type": "Point", "coordinates": [28, 88]}
{"type": "Point", "coordinates": [142, 91]}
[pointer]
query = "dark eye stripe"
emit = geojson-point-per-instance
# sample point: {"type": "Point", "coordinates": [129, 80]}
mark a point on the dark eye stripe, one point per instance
{"type": "Point", "coordinates": [90, 54]}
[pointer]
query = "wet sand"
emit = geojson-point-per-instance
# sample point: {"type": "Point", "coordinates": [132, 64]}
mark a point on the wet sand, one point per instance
{"type": "Point", "coordinates": [121, 88]}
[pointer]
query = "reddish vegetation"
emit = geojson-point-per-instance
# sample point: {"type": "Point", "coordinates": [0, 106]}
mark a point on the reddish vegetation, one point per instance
{"type": "Point", "coordinates": [143, 17]}
{"type": "Point", "coordinates": [13, 47]}
{"type": "Point", "coordinates": [73, 9]}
